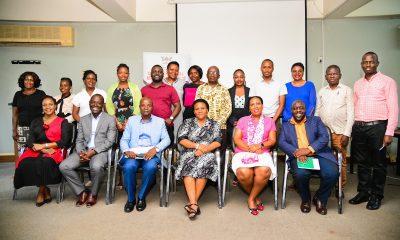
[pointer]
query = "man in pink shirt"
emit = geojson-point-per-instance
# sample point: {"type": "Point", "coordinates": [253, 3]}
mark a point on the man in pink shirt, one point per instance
{"type": "Point", "coordinates": [376, 114]}
{"type": "Point", "coordinates": [164, 99]}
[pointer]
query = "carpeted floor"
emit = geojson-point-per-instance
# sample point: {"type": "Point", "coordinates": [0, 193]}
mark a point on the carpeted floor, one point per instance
{"type": "Point", "coordinates": [20, 219]}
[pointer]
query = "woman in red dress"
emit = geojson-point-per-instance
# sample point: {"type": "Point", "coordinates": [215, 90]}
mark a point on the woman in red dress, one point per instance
{"type": "Point", "coordinates": [38, 165]}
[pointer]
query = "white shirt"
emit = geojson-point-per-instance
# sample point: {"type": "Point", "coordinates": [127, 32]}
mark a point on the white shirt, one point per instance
{"type": "Point", "coordinates": [270, 93]}
{"type": "Point", "coordinates": [67, 106]}
{"type": "Point", "coordinates": [336, 108]}
{"type": "Point", "coordinates": [82, 99]}
{"type": "Point", "coordinates": [95, 121]}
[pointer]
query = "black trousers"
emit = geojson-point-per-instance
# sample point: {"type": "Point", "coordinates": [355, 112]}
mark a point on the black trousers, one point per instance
{"type": "Point", "coordinates": [366, 150]}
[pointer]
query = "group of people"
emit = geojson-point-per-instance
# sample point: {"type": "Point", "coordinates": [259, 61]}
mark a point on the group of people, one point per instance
{"type": "Point", "coordinates": [143, 123]}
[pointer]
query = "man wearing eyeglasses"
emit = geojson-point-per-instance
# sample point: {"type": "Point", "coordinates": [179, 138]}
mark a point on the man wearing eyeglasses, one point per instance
{"type": "Point", "coordinates": [335, 107]}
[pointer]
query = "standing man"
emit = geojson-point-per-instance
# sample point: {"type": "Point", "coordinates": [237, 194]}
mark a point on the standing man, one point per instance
{"type": "Point", "coordinates": [96, 134]}
{"type": "Point", "coordinates": [219, 100]}
{"type": "Point", "coordinates": [164, 99]}
{"type": "Point", "coordinates": [271, 91]}
{"type": "Point", "coordinates": [144, 138]}
{"type": "Point", "coordinates": [172, 80]}
{"type": "Point", "coordinates": [335, 107]}
{"type": "Point", "coordinates": [376, 115]}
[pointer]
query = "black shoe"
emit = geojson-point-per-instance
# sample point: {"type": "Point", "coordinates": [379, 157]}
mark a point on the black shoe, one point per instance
{"type": "Point", "coordinates": [374, 203]}
{"type": "Point", "coordinates": [39, 204]}
{"type": "Point", "coordinates": [141, 204]}
{"type": "Point", "coordinates": [129, 206]}
{"type": "Point", "coordinates": [359, 198]}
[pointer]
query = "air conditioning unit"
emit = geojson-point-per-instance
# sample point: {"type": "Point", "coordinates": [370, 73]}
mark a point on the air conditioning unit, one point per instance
{"type": "Point", "coordinates": [22, 35]}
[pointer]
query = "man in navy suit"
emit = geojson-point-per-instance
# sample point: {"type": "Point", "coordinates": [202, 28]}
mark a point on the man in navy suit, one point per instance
{"type": "Point", "coordinates": [302, 137]}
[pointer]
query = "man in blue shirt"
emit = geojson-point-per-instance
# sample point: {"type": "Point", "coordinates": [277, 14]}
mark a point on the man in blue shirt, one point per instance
{"type": "Point", "coordinates": [145, 136]}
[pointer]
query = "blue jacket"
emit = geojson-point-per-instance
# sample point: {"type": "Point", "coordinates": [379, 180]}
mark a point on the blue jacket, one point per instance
{"type": "Point", "coordinates": [317, 135]}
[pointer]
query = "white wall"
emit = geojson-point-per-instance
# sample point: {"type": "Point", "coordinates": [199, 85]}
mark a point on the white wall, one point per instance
{"type": "Point", "coordinates": [99, 46]}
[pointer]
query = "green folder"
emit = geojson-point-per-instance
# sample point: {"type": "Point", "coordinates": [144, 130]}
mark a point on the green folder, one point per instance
{"type": "Point", "coordinates": [310, 163]}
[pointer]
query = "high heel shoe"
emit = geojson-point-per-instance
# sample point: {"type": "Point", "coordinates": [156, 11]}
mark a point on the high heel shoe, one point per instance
{"type": "Point", "coordinates": [253, 211]}
{"type": "Point", "coordinates": [49, 199]}
{"type": "Point", "coordinates": [260, 206]}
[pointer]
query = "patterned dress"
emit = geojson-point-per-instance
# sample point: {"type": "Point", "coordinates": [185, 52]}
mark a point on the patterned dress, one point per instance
{"type": "Point", "coordinates": [204, 166]}
{"type": "Point", "coordinates": [123, 103]}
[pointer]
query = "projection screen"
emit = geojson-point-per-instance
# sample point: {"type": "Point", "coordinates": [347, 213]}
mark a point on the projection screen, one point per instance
{"type": "Point", "coordinates": [235, 35]}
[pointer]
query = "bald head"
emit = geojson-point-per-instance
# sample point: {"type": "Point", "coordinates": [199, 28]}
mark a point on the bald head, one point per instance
{"type": "Point", "coordinates": [146, 107]}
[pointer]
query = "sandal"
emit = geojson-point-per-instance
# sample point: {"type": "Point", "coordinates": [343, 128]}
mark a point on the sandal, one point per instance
{"type": "Point", "coordinates": [192, 213]}
{"type": "Point", "coordinates": [260, 206]}
{"type": "Point", "coordinates": [253, 211]}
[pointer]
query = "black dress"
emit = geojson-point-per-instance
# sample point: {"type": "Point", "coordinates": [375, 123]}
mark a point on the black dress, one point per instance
{"type": "Point", "coordinates": [42, 170]}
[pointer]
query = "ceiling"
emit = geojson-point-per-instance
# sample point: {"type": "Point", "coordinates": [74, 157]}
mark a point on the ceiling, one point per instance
{"type": "Point", "coordinates": [164, 10]}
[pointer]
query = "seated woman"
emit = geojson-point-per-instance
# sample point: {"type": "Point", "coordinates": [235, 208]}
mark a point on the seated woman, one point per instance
{"type": "Point", "coordinates": [252, 163]}
{"type": "Point", "coordinates": [199, 136]}
{"type": "Point", "coordinates": [38, 165]}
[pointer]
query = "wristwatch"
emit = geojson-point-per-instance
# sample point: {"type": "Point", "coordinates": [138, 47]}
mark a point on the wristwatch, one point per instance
{"type": "Point", "coordinates": [172, 118]}
{"type": "Point", "coordinates": [157, 149]}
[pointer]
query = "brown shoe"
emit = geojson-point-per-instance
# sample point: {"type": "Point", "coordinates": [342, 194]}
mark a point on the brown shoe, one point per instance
{"type": "Point", "coordinates": [320, 207]}
{"type": "Point", "coordinates": [82, 198]}
{"type": "Point", "coordinates": [305, 207]}
{"type": "Point", "coordinates": [92, 200]}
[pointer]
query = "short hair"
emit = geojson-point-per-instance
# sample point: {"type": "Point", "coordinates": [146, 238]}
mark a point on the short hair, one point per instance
{"type": "Point", "coordinates": [297, 101]}
{"type": "Point", "coordinates": [198, 69]}
{"type": "Point", "coordinates": [157, 65]}
{"type": "Point", "coordinates": [262, 102]}
{"type": "Point", "coordinates": [173, 63]}
{"type": "Point", "coordinates": [50, 97]}
{"type": "Point", "coordinates": [122, 65]}
{"type": "Point", "coordinates": [67, 79]}
{"type": "Point", "coordinates": [374, 55]}
{"type": "Point", "coordinates": [267, 60]}
{"type": "Point", "coordinates": [203, 101]}
{"type": "Point", "coordinates": [97, 95]}
{"type": "Point", "coordinates": [36, 79]}
{"type": "Point", "coordinates": [238, 70]}
{"type": "Point", "coordinates": [333, 66]}
{"type": "Point", "coordinates": [298, 64]}
{"type": "Point", "coordinates": [87, 72]}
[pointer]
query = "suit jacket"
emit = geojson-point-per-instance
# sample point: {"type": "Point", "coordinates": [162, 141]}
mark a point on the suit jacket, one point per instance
{"type": "Point", "coordinates": [158, 133]}
{"type": "Point", "coordinates": [105, 133]}
{"type": "Point", "coordinates": [238, 112]}
{"type": "Point", "coordinates": [317, 135]}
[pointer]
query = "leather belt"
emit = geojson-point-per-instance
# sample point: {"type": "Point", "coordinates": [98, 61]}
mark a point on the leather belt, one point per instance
{"type": "Point", "coordinates": [361, 123]}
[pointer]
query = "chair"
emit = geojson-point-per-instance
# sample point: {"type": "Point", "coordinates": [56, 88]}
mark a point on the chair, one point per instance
{"type": "Point", "coordinates": [161, 167]}
{"type": "Point", "coordinates": [338, 156]}
{"type": "Point", "coordinates": [173, 156]}
{"type": "Point", "coordinates": [228, 171]}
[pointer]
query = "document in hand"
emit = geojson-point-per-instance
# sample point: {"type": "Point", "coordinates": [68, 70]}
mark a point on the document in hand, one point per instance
{"type": "Point", "coordinates": [311, 163]}
{"type": "Point", "coordinates": [140, 151]}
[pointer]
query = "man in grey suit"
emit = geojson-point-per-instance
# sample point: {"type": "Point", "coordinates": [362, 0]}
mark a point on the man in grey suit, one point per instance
{"type": "Point", "coordinates": [96, 134]}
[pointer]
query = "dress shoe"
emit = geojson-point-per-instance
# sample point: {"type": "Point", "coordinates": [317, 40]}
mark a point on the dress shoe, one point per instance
{"type": "Point", "coordinates": [359, 198]}
{"type": "Point", "coordinates": [305, 207]}
{"type": "Point", "coordinates": [141, 204]}
{"type": "Point", "coordinates": [92, 200]}
{"type": "Point", "coordinates": [374, 203]}
{"type": "Point", "coordinates": [129, 206]}
{"type": "Point", "coordinates": [82, 198]}
{"type": "Point", "coordinates": [39, 204]}
{"type": "Point", "coordinates": [319, 206]}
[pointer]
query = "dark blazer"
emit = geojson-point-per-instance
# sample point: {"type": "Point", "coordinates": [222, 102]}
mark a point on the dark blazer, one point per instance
{"type": "Point", "coordinates": [238, 112]}
{"type": "Point", "coordinates": [317, 135]}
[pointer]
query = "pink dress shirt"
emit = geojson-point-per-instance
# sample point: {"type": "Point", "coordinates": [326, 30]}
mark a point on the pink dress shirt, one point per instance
{"type": "Point", "coordinates": [376, 99]}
